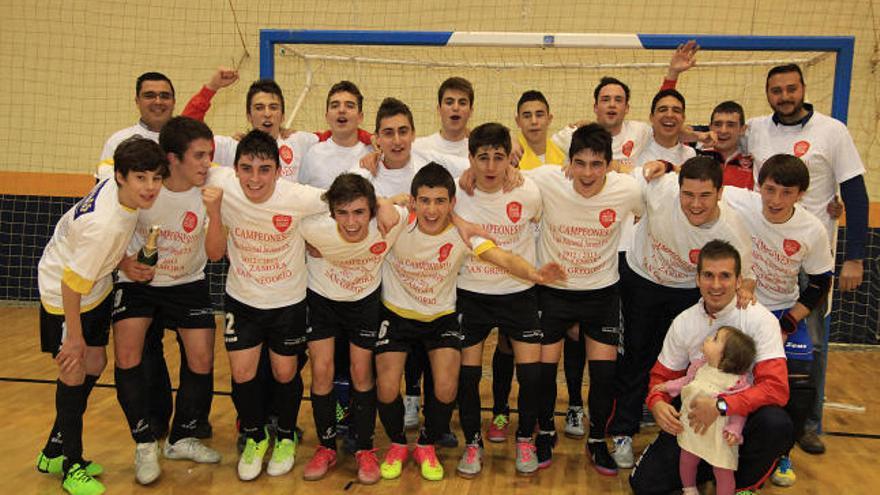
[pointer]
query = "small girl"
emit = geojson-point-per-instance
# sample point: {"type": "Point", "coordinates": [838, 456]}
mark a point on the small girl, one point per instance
{"type": "Point", "coordinates": [727, 357]}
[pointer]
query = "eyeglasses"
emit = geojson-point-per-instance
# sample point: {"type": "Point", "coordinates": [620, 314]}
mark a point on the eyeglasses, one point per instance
{"type": "Point", "coordinates": [152, 95]}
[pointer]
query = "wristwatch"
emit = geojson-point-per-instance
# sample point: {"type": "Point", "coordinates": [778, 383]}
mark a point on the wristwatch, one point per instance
{"type": "Point", "coordinates": [721, 405]}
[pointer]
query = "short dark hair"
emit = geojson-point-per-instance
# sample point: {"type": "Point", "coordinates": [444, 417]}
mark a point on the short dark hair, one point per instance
{"type": "Point", "coordinates": [258, 144]}
{"type": "Point", "coordinates": [739, 351]}
{"type": "Point", "coordinates": [138, 154]}
{"type": "Point", "coordinates": [433, 175]}
{"type": "Point", "coordinates": [719, 250]}
{"type": "Point", "coordinates": [263, 86]}
{"type": "Point", "coordinates": [349, 187]}
{"type": "Point", "coordinates": [532, 95]}
{"type": "Point", "coordinates": [785, 170]}
{"type": "Point", "coordinates": [784, 69]}
{"type": "Point", "coordinates": [151, 76]}
{"type": "Point", "coordinates": [663, 93]}
{"type": "Point", "coordinates": [729, 106]}
{"type": "Point", "coordinates": [702, 167]}
{"type": "Point", "coordinates": [345, 87]}
{"type": "Point", "coordinates": [605, 81]}
{"type": "Point", "coordinates": [593, 137]}
{"type": "Point", "coordinates": [490, 134]}
{"type": "Point", "coordinates": [391, 107]}
{"type": "Point", "coordinates": [458, 84]}
{"type": "Point", "coordinates": [176, 136]}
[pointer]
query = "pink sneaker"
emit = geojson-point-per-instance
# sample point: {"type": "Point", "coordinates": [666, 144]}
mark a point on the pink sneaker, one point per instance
{"type": "Point", "coordinates": [368, 466]}
{"type": "Point", "coordinates": [321, 462]}
{"type": "Point", "coordinates": [498, 428]}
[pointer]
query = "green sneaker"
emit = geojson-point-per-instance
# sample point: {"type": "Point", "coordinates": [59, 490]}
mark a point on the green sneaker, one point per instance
{"type": "Point", "coordinates": [283, 456]}
{"type": "Point", "coordinates": [78, 482]}
{"type": "Point", "coordinates": [250, 464]}
{"type": "Point", "coordinates": [55, 465]}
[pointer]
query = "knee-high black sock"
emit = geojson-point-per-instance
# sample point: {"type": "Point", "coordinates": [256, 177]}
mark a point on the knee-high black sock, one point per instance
{"type": "Point", "coordinates": [529, 377]}
{"type": "Point", "coordinates": [130, 393]}
{"type": "Point", "coordinates": [53, 444]}
{"type": "Point", "coordinates": [391, 415]}
{"type": "Point", "coordinates": [469, 403]}
{"type": "Point", "coordinates": [204, 406]}
{"type": "Point", "coordinates": [248, 398]}
{"type": "Point", "coordinates": [412, 372]}
{"type": "Point", "coordinates": [324, 412]}
{"type": "Point", "coordinates": [601, 396]}
{"type": "Point", "coordinates": [437, 416]}
{"type": "Point", "coordinates": [159, 400]}
{"type": "Point", "coordinates": [287, 397]}
{"type": "Point", "coordinates": [69, 407]}
{"type": "Point", "coordinates": [547, 403]}
{"type": "Point", "coordinates": [502, 376]}
{"type": "Point", "coordinates": [190, 400]}
{"type": "Point", "coordinates": [574, 358]}
{"type": "Point", "coordinates": [363, 417]}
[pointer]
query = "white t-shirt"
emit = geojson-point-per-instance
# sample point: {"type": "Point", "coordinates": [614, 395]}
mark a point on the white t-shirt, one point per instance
{"type": "Point", "coordinates": [290, 151]}
{"type": "Point", "coordinates": [390, 182]}
{"type": "Point", "coordinates": [181, 219]}
{"type": "Point", "coordinates": [87, 244]}
{"type": "Point", "coordinates": [825, 146]}
{"type": "Point", "coordinates": [265, 249]}
{"type": "Point", "coordinates": [666, 246]}
{"type": "Point", "coordinates": [509, 218]}
{"type": "Point", "coordinates": [582, 234]}
{"type": "Point", "coordinates": [684, 341]}
{"type": "Point", "coordinates": [779, 250]}
{"type": "Point", "coordinates": [627, 144]}
{"type": "Point", "coordinates": [346, 271]}
{"type": "Point", "coordinates": [105, 167]}
{"type": "Point", "coordinates": [327, 160]}
{"type": "Point", "coordinates": [435, 143]}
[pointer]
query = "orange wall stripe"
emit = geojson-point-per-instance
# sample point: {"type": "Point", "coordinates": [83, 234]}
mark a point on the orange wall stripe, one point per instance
{"type": "Point", "coordinates": [45, 184]}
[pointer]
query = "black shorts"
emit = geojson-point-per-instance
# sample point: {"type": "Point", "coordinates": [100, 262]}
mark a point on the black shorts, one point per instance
{"type": "Point", "coordinates": [399, 334]}
{"type": "Point", "coordinates": [176, 306]}
{"type": "Point", "coordinates": [515, 315]}
{"type": "Point", "coordinates": [597, 312]}
{"type": "Point", "coordinates": [283, 329]}
{"type": "Point", "coordinates": [358, 321]}
{"type": "Point", "coordinates": [95, 327]}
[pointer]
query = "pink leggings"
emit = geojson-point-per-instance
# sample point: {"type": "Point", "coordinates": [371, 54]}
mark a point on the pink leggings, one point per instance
{"type": "Point", "coordinates": [687, 469]}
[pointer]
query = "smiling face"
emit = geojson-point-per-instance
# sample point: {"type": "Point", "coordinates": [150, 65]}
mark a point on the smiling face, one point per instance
{"type": "Point", "coordinates": [455, 110]}
{"type": "Point", "coordinates": [611, 107]}
{"type": "Point", "coordinates": [433, 209]}
{"type": "Point", "coordinates": [265, 113]}
{"type": "Point", "coordinates": [777, 201]}
{"type": "Point", "coordinates": [139, 189]}
{"type": "Point", "coordinates": [395, 138]}
{"type": "Point", "coordinates": [155, 102]}
{"type": "Point", "coordinates": [728, 130]}
{"type": "Point", "coordinates": [667, 119]}
{"type": "Point", "coordinates": [785, 94]}
{"type": "Point", "coordinates": [257, 177]}
{"type": "Point", "coordinates": [699, 201]}
{"type": "Point", "coordinates": [490, 165]}
{"type": "Point", "coordinates": [588, 170]}
{"type": "Point", "coordinates": [343, 115]}
{"type": "Point", "coordinates": [718, 282]}
{"type": "Point", "coordinates": [352, 219]}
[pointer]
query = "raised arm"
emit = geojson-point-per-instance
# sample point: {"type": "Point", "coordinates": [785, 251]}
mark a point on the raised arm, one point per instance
{"type": "Point", "coordinates": [215, 236]}
{"type": "Point", "coordinates": [197, 106]}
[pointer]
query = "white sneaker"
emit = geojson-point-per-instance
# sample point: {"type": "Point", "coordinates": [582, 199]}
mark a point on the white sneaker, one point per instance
{"type": "Point", "coordinates": [146, 462]}
{"type": "Point", "coordinates": [411, 411]}
{"type": "Point", "coordinates": [283, 457]}
{"type": "Point", "coordinates": [192, 449]}
{"type": "Point", "coordinates": [250, 464]}
{"type": "Point", "coordinates": [623, 452]}
{"type": "Point", "coordinates": [574, 422]}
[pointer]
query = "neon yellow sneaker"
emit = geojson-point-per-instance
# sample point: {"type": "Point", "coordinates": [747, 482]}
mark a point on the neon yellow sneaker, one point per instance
{"type": "Point", "coordinates": [426, 458]}
{"type": "Point", "coordinates": [78, 482]}
{"type": "Point", "coordinates": [250, 464]}
{"type": "Point", "coordinates": [55, 465]}
{"type": "Point", "coordinates": [783, 475]}
{"type": "Point", "coordinates": [394, 459]}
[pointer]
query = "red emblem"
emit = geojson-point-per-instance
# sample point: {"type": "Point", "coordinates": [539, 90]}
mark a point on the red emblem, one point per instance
{"type": "Point", "coordinates": [190, 221]}
{"type": "Point", "coordinates": [694, 255]}
{"type": "Point", "coordinates": [282, 222]}
{"type": "Point", "coordinates": [607, 217]}
{"type": "Point", "coordinates": [801, 148]}
{"type": "Point", "coordinates": [627, 148]}
{"type": "Point", "coordinates": [286, 153]}
{"type": "Point", "coordinates": [444, 252]}
{"type": "Point", "coordinates": [791, 246]}
{"type": "Point", "coordinates": [514, 211]}
{"type": "Point", "coordinates": [378, 248]}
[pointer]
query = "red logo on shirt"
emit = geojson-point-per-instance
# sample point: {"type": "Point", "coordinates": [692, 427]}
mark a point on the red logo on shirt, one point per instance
{"type": "Point", "coordinates": [514, 211]}
{"type": "Point", "coordinates": [791, 246]}
{"type": "Point", "coordinates": [607, 217]}
{"type": "Point", "coordinates": [190, 220]}
{"type": "Point", "coordinates": [282, 222]}
{"type": "Point", "coordinates": [378, 248]}
{"type": "Point", "coordinates": [444, 252]}
{"type": "Point", "coordinates": [286, 153]}
{"type": "Point", "coordinates": [801, 148]}
{"type": "Point", "coordinates": [627, 148]}
{"type": "Point", "coordinates": [694, 255]}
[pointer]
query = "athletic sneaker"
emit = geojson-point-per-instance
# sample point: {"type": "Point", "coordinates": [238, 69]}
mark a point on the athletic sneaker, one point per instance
{"type": "Point", "coordinates": [55, 465]}
{"type": "Point", "coordinates": [597, 451]}
{"type": "Point", "coordinates": [320, 463]}
{"type": "Point", "coordinates": [498, 428]}
{"type": "Point", "coordinates": [368, 466]}
{"type": "Point", "coordinates": [78, 482]}
{"type": "Point", "coordinates": [411, 411]}
{"type": "Point", "coordinates": [783, 475]}
{"type": "Point", "coordinates": [544, 444]}
{"type": "Point", "coordinates": [526, 458]}
{"type": "Point", "coordinates": [623, 452]}
{"type": "Point", "coordinates": [471, 462]}
{"type": "Point", "coordinates": [394, 459]}
{"type": "Point", "coordinates": [250, 464]}
{"type": "Point", "coordinates": [283, 456]}
{"type": "Point", "coordinates": [426, 457]}
{"type": "Point", "coordinates": [447, 440]}
{"type": "Point", "coordinates": [146, 462]}
{"type": "Point", "coordinates": [746, 492]}
{"type": "Point", "coordinates": [574, 422]}
{"type": "Point", "coordinates": [192, 449]}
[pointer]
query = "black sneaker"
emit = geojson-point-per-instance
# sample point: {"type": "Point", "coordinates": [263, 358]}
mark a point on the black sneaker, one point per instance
{"type": "Point", "coordinates": [597, 451]}
{"type": "Point", "coordinates": [811, 443]}
{"type": "Point", "coordinates": [544, 443]}
{"type": "Point", "coordinates": [447, 440]}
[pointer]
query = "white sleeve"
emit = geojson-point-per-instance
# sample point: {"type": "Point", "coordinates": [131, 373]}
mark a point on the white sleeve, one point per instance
{"type": "Point", "coordinates": [224, 150]}
{"type": "Point", "coordinates": [845, 160]}
{"type": "Point", "coordinates": [819, 259]}
{"type": "Point", "coordinates": [674, 354]}
{"type": "Point", "coordinates": [562, 138]}
{"type": "Point", "coordinates": [661, 191]}
{"type": "Point", "coordinates": [309, 199]}
{"type": "Point", "coordinates": [738, 199]}
{"type": "Point", "coordinates": [456, 165]}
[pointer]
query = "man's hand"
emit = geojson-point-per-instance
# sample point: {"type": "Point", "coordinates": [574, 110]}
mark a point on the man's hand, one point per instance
{"type": "Point", "coordinates": [212, 197]}
{"type": "Point", "coordinates": [513, 178]}
{"type": "Point", "coordinates": [370, 162]}
{"type": "Point", "coordinates": [222, 77]}
{"type": "Point", "coordinates": [73, 354]}
{"type": "Point", "coordinates": [730, 438]}
{"type": "Point", "coordinates": [702, 414]}
{"type": "Point", "coordinates": [516, 153]}
{"type": "Point", "coordinates": [137, 272]}
{"type": "Point", "coordinates": [851, 275]}
{"type": "Point", "coordinates": [667, 418]}
{"type": "Point", "coordinates": [684, 57]}
{"type": "Point", "coordinates": [653, 170]}
{"type": "Point", "coordinates": [549, 273]}
{"type": "Point", "coordinates": [466, 230]}
{"type": "Point", "coordinates": [468, 182]}
{"type": "Point", "coordinates": [834, 208]}
{"type": "Point", "coordinates": [745, 295]}
{"type": "Point", "coordinates": [387, 216]}
{"type": "Point", "coordinates": [313, 251]}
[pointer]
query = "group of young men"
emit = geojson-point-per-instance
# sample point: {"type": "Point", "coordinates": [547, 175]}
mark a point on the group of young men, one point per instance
{"type": "Point", "coordinates": [362, 250]}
